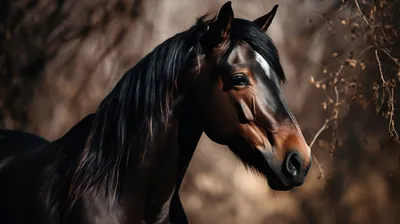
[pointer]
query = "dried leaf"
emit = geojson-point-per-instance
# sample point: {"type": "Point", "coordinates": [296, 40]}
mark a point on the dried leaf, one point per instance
{"type": "Point", "coordinates": [362, 65]}
{"type": "Point", "coordinates": [355, 25]}
{"type": "Point", "coordinates": [352, 62]}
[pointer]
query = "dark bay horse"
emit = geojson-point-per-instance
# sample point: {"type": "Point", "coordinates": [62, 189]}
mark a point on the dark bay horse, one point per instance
{"type": "Point", "coordinates": [125, 163]}
{"type": "Point", "coordinates": [14, 142]}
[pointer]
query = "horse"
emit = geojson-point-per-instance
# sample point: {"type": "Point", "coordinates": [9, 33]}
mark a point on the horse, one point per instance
{"type": "Point", "coordinates": [125, 162]}
{"type": "Point", "coordinates": [13, 142]}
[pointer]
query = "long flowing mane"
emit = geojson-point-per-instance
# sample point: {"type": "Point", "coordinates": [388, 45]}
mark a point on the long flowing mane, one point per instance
{"type": "Point", "coordinates": [134, 112]}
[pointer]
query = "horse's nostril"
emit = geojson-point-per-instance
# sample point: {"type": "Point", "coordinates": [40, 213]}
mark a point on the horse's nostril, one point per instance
{"type": "Point", "coordinates": [293, 163]}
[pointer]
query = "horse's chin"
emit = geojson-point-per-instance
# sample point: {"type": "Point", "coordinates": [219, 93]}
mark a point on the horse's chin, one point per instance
{"type": "Point", "coordinates": [274, 179]}
{"type": "Point", "coordinates": [278, 185]}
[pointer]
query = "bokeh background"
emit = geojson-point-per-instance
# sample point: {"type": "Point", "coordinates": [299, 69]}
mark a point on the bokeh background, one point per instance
{"type": "Point", "coordinates": [58, 60]}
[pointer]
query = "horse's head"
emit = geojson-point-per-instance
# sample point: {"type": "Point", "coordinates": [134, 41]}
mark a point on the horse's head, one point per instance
{"type": "Point", "coordinates": [237, 86]}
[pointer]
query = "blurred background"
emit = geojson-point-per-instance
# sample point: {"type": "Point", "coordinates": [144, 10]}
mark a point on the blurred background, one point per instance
{"type": "Point", "coordinates": [59, 58]}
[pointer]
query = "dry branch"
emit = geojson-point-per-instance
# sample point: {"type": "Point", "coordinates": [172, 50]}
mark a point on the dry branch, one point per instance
{"type": "Point", "coordinates": [380, 36]}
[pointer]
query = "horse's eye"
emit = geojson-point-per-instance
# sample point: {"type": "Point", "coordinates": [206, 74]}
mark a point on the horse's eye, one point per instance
{"type": "Point", "coordinates": [239, 80]}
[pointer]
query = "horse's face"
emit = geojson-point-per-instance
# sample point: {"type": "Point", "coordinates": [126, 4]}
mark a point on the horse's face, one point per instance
{"type": "Point", "coordinates": [243, 107]}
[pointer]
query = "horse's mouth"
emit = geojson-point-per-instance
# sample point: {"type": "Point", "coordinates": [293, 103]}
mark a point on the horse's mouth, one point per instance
{"type": "Point", "coordinates": [276, 180]}
{"type": "Point", "coordinates": [279, 186]}
{"type": "Point", "coordinates": [263, 162]}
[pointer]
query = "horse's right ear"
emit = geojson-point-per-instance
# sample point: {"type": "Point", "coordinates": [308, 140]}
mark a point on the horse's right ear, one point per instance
{"type": "Point", "coordinates": [265, 21]}
{"type": "Point", "coordinates": [219, 30]}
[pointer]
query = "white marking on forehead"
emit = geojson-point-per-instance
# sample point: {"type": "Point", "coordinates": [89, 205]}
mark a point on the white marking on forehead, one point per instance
{"type": "Point", "coordinates": [264, 64]}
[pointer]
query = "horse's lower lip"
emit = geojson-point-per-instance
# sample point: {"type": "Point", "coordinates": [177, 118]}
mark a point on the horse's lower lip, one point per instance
{"type": "Point", "coordinates": [287, 188]}
{"type": "Point", "coordinates": [274, 185]}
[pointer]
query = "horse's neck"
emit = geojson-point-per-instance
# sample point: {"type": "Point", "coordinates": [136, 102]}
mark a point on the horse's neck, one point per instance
{"type": "Point", "coordinates": [189, 133]}
{"type": "Point", "coordinates": [146, 189]}
{"type": "Point", "coordinates": [151, 186]}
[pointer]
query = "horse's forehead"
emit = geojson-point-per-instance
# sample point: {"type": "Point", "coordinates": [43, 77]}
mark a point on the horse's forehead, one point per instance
{"type": "Point", "coordinates": [241, 53]}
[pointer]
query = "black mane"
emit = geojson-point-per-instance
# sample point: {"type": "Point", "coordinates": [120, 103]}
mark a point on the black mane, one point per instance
{"type": "Point", "coordinates": [134, 112]}
{"type": "Point", "coordinates": [137, 109]}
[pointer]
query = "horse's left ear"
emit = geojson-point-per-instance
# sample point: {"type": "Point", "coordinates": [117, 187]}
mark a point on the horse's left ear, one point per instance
{"type": "Point", "coordinates": [265, 21]}
{"type": "Point", "coordinates": [219, 30]}
{"type": "Point", "coordinates": [224, 20]}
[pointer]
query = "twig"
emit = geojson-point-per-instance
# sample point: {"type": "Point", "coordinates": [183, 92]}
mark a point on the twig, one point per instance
{"type": "Point", "coordinates": [364, 51]}
{"type": "Point", "coordinates": [321, 174]}
{"type": "Point", "coordinates": [392, 127]}
{"type": "Point", "coordinates": [380, 68]}
{"type": "Point", "coordinates": [323, 127]}
{"type": "Point", "coordinates": [326, 124]}
{"type": "Point", "coordinates": [362, 14]}
{"type": "Point", "coordinates": [337, 95]}
{"type": "Point", "coordinates": [339, 70]}
{"type": "Point", "coordinates": [390, 56]}
{"type": "Point", "coordinates": [390, 92]}
{"type": "Point", "coordinates": [315, 160]}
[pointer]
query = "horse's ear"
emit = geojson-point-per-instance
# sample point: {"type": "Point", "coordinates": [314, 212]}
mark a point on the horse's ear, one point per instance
{"type": "Point", "coordinates": [220, 28]}
{"type": "Point", "coordinates": [265, 21]}
{"type": "Point", "coordinates": [224, 20]}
